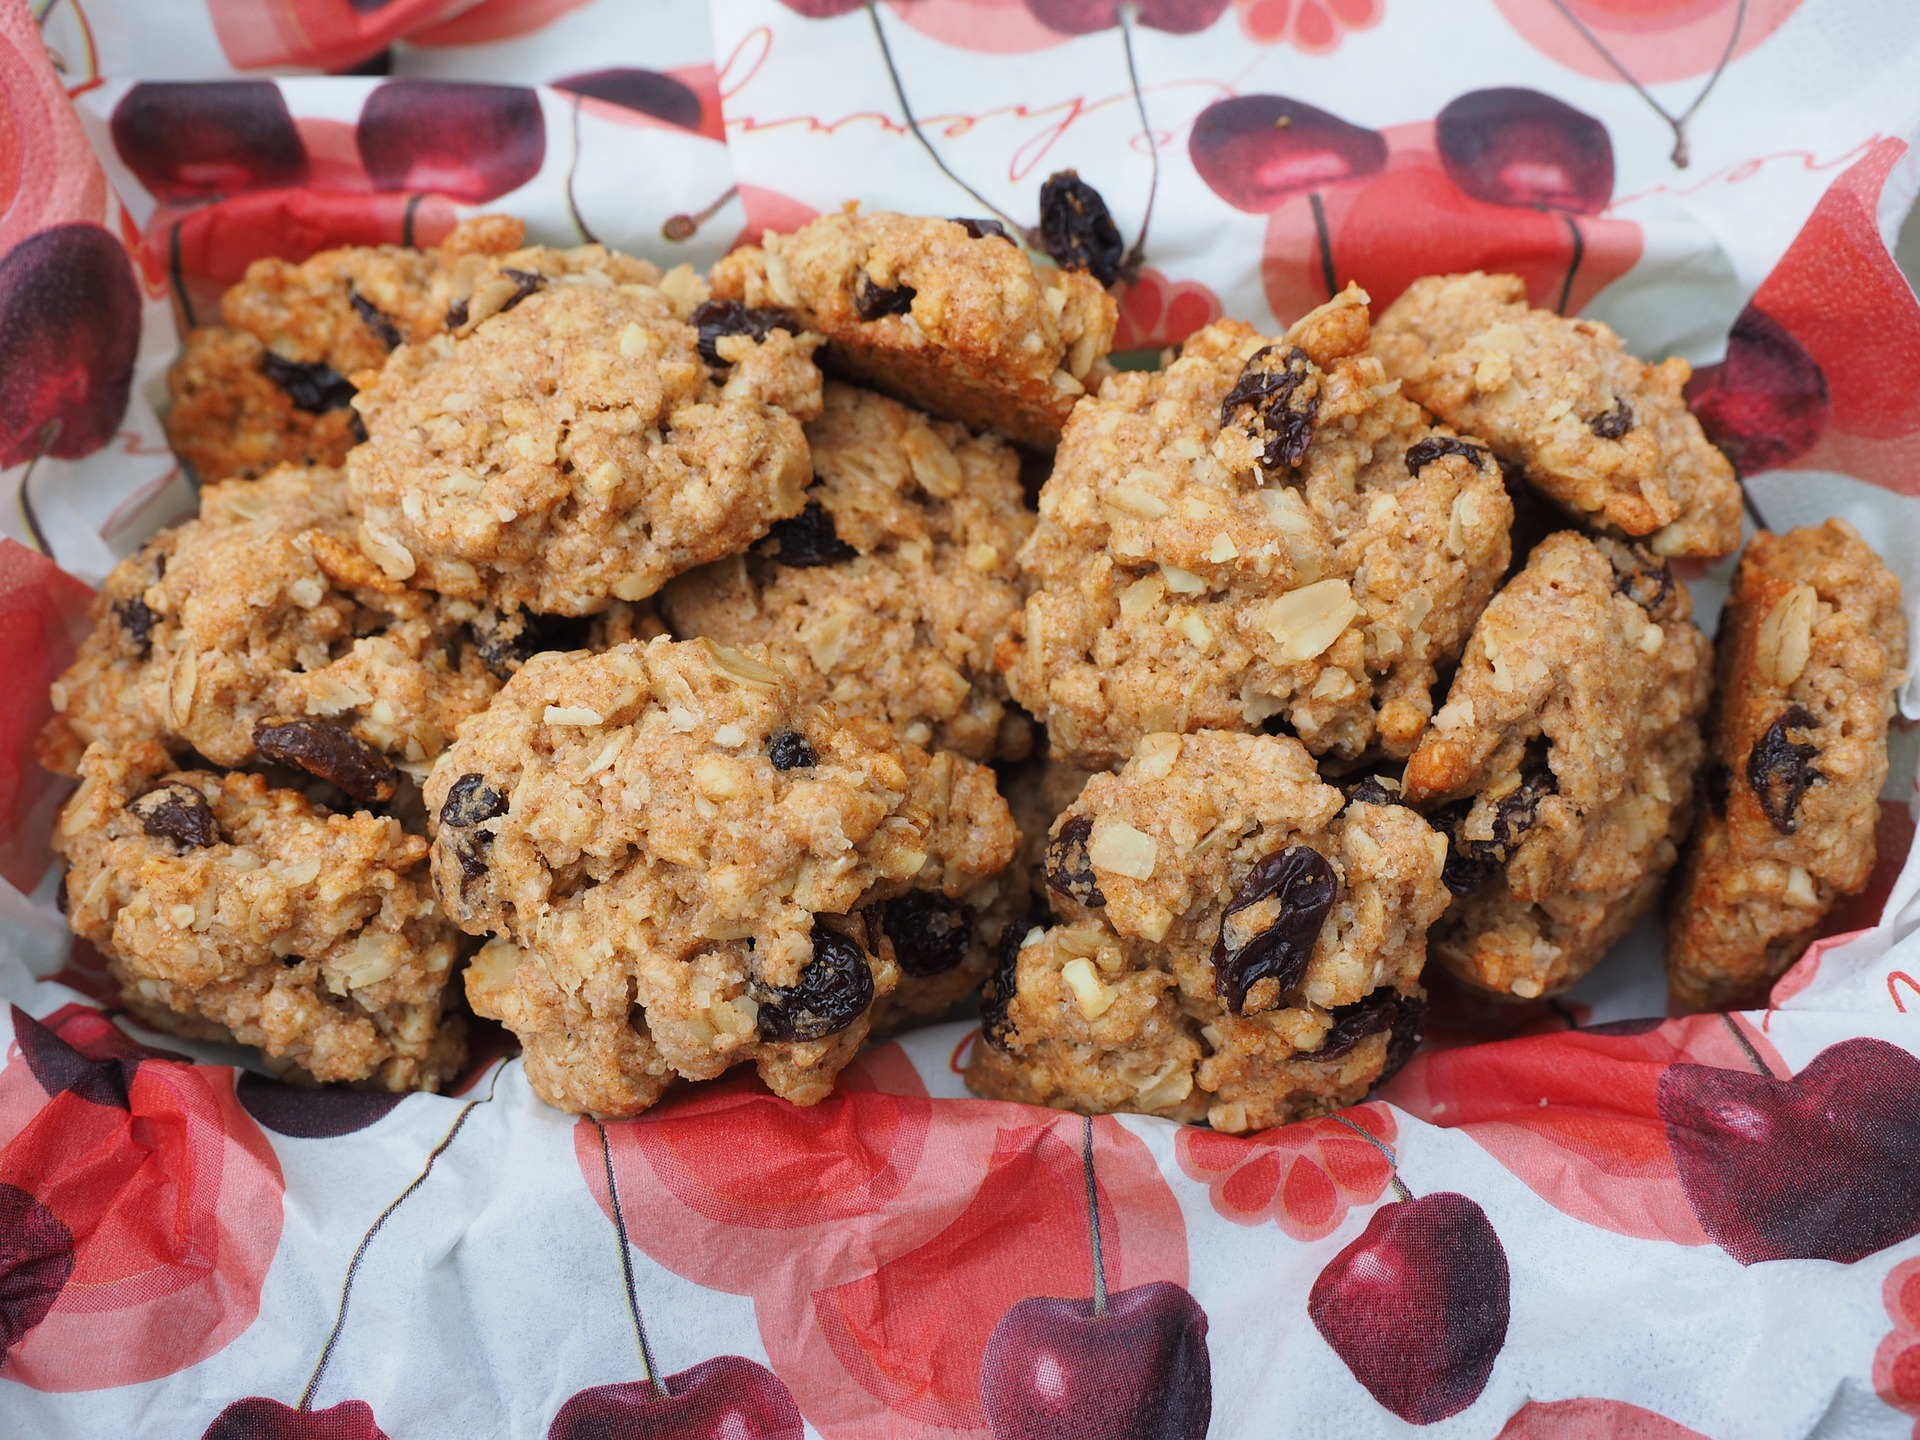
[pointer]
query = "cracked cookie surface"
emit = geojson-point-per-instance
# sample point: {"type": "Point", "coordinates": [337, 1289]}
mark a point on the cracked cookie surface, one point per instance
{"type": "Point", "coordinates": [574, 447]}
{"type": "Point", "coordinates": [896, 589]}
{"type": "Point", "coordinates": [271, 384]}
{"type": "Point", "coordinates": [1606, 436]}
{"type": "Point", "coordinates": [1235, 942]}
{"type": "Point", "coordinates": [1812, 647]}
{"type": "Point", "coordinates": [228, 908]}
{"type": "Point", "coordinates": [681, 860]}
{"type": "Point", "coordinates": [1263, 532]}
{"type": "Point", "coordinates": [951, 320]}
{"type": "Point", "coordinates": [1562, 766]}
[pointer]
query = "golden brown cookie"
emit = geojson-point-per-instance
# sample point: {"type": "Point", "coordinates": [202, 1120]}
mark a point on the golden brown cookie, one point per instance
{"type": "Point", "coordinates": [1606, 436]}
{"type": "Point", "coordinates": [1562, 765]}
{"type": "Point", "coordinates": [1812, 648]}
{"type": "Point", "coordinates": [948, 317]}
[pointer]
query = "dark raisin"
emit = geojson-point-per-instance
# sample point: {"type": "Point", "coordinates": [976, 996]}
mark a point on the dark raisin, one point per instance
{"type": "Point", "coordinates": [1282, 389]}
{"type": "Point", "coordinates": [1778, 768]}
{"type": "Point", "coordinates": [177, 812]}
{"type": "Point", "coordinates": [1640, 575]}
{"type": "Point", "coordinates": [315, 388]}
{"type": "Point", "coordinates": [1718, 781]}
{"type": "Point", "coordinates": [807, 539]}
{"type": "Point", "coordinates": [871, 301]}
{"type": "Point", "coordinates": [358, 427]}
{"type": "Point", "coordinates": [834, 991]}
{"type": "Point", "coordinates": [789, 750]}
{"type": "Point", "coordinates": [505, 642]}
{"type": "Point", "coordinates": [1615, 423]}
{"type": "Point", "coordinates": [981, 229]}
{"type": "Point", "coordinates": [330, 752]}
{"type": "Point", "coordinates": [470, 801]}
{"type": "Point", "coordinates": [1077, 229]}
{"type": "Point", "coordinates": [1069, 870]}
{"type": "Point", "coordinates": [1423, 453]}
{"type": "Point", "coordinates": [1471, 863]}
{"type": "Point", "coordinates": [1271, 924]}
{"type": "Point", "coordinates": [525, 283]}
{"type": "Point", "coordinates": [371, 317]}
{"type": "Point", "coordinates": [715, 318]}
{"type": "Point", "coordinates": [137, 621]}
{"type": "Point", "coordinates": [456, 314]}
{"type": "Point", "coordinates": [1371, 790]}
{"type": "Point", "coordinates": [1385, 1009]}
{"type": "Point", "coordinates": [997, 994]}
{"type": "Point", "coordinates": [930, 933]}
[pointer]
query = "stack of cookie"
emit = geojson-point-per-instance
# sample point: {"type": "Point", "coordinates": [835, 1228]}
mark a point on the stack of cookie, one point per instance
{"type": "Point", "coordinates": [558, 639]}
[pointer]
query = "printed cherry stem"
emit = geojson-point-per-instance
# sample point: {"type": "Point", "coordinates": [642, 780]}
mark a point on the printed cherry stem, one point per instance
{"type": "Point", "coordinates": [1325, 239]}
{"type": "Point", "coordinates": [684, 226]}
{"type": "Point", "coordinates": [49, 433]}
{"type": "Point", "coordinates": [1573, 262]}
{"type": "Point", "coordinates": [913, 125]}
{"type": "Point", "coordinates": [1137, 256]}
{"type": "Point", "coordinates": [648, 1372]}
{"type": "Point", "coordinates": [573, 167]}
{"type": "Point", "coordinates": [1678, 123]}
{"type": "Point", "coordinates": [1093, 1216]}
{"type": "Point", "coordinates": [360, 1251]}
{"type": "Point", "coordinates": [1754, 1058]}
{"type": "Point", "coordinates": [1400, 1190]}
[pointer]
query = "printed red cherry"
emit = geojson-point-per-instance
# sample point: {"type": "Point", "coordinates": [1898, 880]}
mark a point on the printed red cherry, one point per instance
{"type": "Point", "coordinates": [1818, 1167]}
{"type": "Point", "coordinates": [1258, 151]}
{"type": "Point", "coordinates": [1417, 1307]}
{"type": "Point", "coordinates": [36, 1257]}
{"type": "Point", "coordinates": [822, 9]}
{"type": "Point", "coordinates": [1767, 403]}
{"type": "Point", "coordinates": [195, 140]}
{"type": "Point", "coordinates": [69, 328]}
{"type": "Point", "coordinates": [1519, 147]}
{"type": "Point", "coordinates": [1085, 17]}
{"type": "Point", "coordinates": [257, 1418]}
{"type": "Point", "coordinates": [1137, 1369]}
{"type": "Point", "coordinates": [648, 91]}
{"type": "Point", "coordinates": [726, 1398]}
{"type": "Point", "coordinates": [471, 142]}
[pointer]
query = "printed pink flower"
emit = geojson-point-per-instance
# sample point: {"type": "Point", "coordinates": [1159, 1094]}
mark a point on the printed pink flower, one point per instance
{"type": "Point", "coordinates": [1896, 1363]}
{"type": "Point", "coordinates": [1303, 1177]}
{"type": "Point", "coordinates": [1316, 26]}
{"type": "Point", "coordinates": [1157, 311]}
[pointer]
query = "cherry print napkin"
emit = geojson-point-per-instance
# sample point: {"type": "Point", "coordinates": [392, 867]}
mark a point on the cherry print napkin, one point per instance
{"type": "Point", "coordinates": [1568, 1219]}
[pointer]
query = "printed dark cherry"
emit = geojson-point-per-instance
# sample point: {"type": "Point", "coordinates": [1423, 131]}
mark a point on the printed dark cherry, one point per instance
{"type": "Point", "coordinates": [470, 142]}
{"type": "Point", "coordinates": [177, 812]}
{"type": "Point", "coordinates": [199, 140]}
{"type": "Point", "coordinates": [1423, 453]}
{"type": "Point", "coordinates": [1615, 423]}
{"type": "Point", "coordinates": [789, 750]}
{"type": "Point", "coordinates": [1281, 389]}
{"type": "Point", "coordinates": [1069, 868]}
{"type": "Point", "coordinates": [1087, 17]}
{"type": "Point", "coordinates": [1077, 229]}
{"type": "Point", "coordinates": [1257, 152]}
{"type": "Point", "coordinates": [330, 752]}
{"type": "Point", "coordinates": [1272, 923]}
{"type": "Point", "coordinates": [36, 1257]}
{"type": "Point", "coordinates": [714, 318]}
{"type": "Point", "coordinates": [1779, 768]}
{"type": "Point", "coordinates": [871, 301]}
{"type": "Point", "coordinates": [807, 539]}
{"type": "Point", "coordinates": [646, 91]}
{"type": "Point", "coordinates": [312, 386]}
{"type": "Point", "coordinates": [834, 991]}
{"type": "Point", "coordinates": [1518, 147]}
{"type": "Point", "coordinates": [1768, 402]}
{"type": "Point", "coordinates": [930, 933]}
